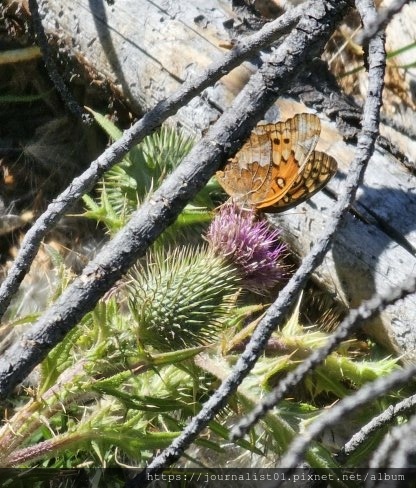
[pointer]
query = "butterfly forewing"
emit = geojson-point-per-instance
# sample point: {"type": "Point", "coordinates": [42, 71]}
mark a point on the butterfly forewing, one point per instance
{"type": "Point", "coordinates": [247, 172]}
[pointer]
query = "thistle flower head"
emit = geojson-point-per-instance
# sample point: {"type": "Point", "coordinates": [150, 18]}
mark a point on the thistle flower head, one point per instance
{"type": "Point", "coordinates": [250, 245]}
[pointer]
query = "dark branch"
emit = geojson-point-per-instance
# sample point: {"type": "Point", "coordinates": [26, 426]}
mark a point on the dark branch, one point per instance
{"type": "Point", "coordinates": [377, 423]}
{"type": "Point", "coordinates": [51, 68]}
{"type": "Point", "coordinates": [153, 119]}
{"type": "Point", "coordinates": [162, 208]}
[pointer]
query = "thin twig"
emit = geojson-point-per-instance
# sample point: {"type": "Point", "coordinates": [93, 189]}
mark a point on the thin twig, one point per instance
{"type": "Point", "coordinates": [365, 147]}
{"type": "Point", "coordinates": [273, 317]}
{"type": "Point", "coordinates": [377, 423]}
{"type": "Point", "coordinates": [353, 320]}
{"type": "Point", "coordinates": [395, 446]}
{"type": "Point", "coordinates": [67, 97]}
{"type": "Point", "coordinates": [394, 453]}
{"type": "Point", "coordinates": [153, 119]}
{"type": "Point", "coordinates": [380, 21]}
{"type": "Point", "coordinates": [376, 63]}
{"type": "Point", "coordinates": [336, 414]}
{"type": "Point", "coordinates": [161, 209]}
{"type": "Point", "coordinates": [406, 447]}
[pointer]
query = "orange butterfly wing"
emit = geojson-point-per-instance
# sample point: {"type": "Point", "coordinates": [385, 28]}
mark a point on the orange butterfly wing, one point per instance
{"type": "Point", "coordinates": [318, 170]}
{"type": "Point", "coordinates": [267, 171]}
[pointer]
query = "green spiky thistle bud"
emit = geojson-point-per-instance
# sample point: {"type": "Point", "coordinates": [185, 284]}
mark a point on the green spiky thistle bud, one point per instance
{"type": "Point", "coordinates": [180, 298]}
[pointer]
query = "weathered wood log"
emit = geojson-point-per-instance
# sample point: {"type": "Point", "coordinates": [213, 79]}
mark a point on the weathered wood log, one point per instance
{"type": "Point", "coordinates": [147, 49]}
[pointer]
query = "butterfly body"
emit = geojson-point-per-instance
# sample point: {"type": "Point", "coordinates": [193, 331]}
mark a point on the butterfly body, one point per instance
{"type": "Point", "coordinates": [277, 167]}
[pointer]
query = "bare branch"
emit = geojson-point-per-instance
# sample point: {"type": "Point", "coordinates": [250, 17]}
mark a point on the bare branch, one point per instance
{"type": "Point", "coordinates": [380, 21]}
{"type": "Point", "coordinates": [153, 119]}
{"type": "Point", "coordinates": [303, 43]}
{"type": "Point", "coordinates": [277, 311]}
{"type": "Point", "coordinates": [337, 413]}
{"type": "Point", "coordinates": [376, 62]}
{"type": "Point", "coordinates": [393, 453]}
{"type": "Point", "coordinates": [385, 418]}
{"type": "Point", "coordinates": [365, 147]}
{"type": "Point", "coordinates": [397, 446]}
{"type": "Point", "coordinates": [354, 319]}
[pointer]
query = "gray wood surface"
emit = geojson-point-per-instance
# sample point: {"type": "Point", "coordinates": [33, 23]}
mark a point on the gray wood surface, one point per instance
{"type": "Point", "coordinates": [146, 49]}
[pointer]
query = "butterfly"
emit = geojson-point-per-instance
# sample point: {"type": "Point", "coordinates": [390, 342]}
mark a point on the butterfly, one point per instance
{"type": "Point", "coordinates": [277, 167]}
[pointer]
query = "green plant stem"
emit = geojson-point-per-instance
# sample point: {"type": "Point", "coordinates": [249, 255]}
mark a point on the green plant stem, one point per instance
{"type": "Point", "coordinates": [40, 450]}
{"type": "Point", "coordinates": [84, 436]}
{"type": "Point", "coordinates": [33, 415]}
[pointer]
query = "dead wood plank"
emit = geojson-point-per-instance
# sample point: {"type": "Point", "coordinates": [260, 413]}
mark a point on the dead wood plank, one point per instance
{"type": "Point", "coordinates": [148, 48]}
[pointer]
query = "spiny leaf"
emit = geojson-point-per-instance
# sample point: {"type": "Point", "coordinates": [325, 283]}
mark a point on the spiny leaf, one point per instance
{"type": "Point", "coordinates": [109, 128]}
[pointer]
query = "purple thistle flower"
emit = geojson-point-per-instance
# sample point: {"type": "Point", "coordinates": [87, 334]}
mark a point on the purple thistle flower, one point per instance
{"type": "Point", "coordinates": [251, 245]}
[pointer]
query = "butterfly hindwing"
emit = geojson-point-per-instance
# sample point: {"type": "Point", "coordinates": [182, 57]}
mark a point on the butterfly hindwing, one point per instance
{"type": "Point", "coordinates": [293, 141]}
{"type": "Point", "coordinates": [318, 170]}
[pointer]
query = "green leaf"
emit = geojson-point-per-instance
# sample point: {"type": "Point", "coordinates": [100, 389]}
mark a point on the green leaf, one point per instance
{"type": "Point", "coordinates": [109, 128]}
{"type": "Point", "coordinates": [57, 361]}
{"type": "Point", "coordinates": [11, 98]}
